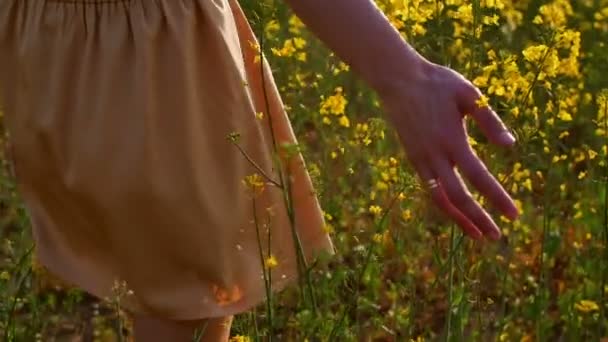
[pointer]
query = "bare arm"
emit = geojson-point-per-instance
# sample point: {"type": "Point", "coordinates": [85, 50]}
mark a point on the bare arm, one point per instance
{"type": "Point", "coordinates": [359, 33]}
{"type": "Point", "coordinates": [425, 103]}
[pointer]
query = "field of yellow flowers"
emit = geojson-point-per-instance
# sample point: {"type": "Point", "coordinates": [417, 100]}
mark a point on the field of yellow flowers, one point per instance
{"type": "Point", "coordinates": [402, 272]}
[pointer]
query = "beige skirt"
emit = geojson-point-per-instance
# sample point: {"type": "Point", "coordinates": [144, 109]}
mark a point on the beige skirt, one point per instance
{"type": "Point", "coordinates": [119, 113]}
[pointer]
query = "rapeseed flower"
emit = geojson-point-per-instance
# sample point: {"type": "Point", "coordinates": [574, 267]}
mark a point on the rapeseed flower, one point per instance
{"type": "Point", "coordinates": [586, 306]}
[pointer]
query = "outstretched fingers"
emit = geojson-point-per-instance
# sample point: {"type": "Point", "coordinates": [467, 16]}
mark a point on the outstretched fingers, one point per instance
{"type": "Point", "coordinates": [477, 173]}
{"type": "Point", "coordinates": [439, 197]}
{"type": "Point", "coordinates": [492, 126]}
{"type": "Point", "coordinates": [462, 200]}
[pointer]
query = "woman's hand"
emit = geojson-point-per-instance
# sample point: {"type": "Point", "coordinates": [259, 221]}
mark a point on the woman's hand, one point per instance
{"type": "Point", "coordinates": [428, 113]}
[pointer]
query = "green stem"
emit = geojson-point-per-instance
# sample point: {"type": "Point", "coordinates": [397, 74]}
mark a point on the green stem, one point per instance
{"type": "Point", "coordinates": [285, 186]}
{"type": "Point", "coordinates": [256, 166]}
{"type": "Point", "coordinates": [9, 332]}
{"type": "Point", "coordinates": [368, 257]}
{"type": "Point", "coordinates": [605, 231]}
{"type": "Point", "coordinates": [264, 273]}
{"type": "Point", "coordinates": [448, 326]}
{"type": "Point", "coordinates": [200, 332]}
{"type": "Point", "coordinates": [256, 330]}
{"type": "Point", "coordinates": [541, 259]}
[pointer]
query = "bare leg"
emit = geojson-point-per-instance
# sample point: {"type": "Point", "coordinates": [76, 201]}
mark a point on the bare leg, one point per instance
{"type": "Point", "coordinates": [150, 329]}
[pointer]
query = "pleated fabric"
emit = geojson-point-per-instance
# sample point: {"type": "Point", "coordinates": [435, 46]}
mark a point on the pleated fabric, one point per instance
{"type": "Point", "coordinates": [118, 113]}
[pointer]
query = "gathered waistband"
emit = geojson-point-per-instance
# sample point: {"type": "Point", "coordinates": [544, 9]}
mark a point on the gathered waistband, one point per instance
{"type": "Point", "coordinates": [89, 1]}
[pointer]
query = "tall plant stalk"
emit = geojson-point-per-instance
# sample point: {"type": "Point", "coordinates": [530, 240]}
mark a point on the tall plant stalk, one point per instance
{"type": "Point", "coordinates": [603, 266]}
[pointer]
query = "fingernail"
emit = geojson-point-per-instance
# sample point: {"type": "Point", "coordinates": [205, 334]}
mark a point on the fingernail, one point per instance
{"type": "Point", "coordinates": [507, 138]}
{"type": "Point", "coordinates": [495, 234]}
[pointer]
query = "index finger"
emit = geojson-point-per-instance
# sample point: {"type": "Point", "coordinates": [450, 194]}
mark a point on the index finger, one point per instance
{"type": "Point", "coordinates": [477, 173]}
{"type": "Point", "coordinates": [492, 126]}
{"type": "Point", "coordinates": [442, 201]}
{"type": "Point", "coordinates": [471, 101]}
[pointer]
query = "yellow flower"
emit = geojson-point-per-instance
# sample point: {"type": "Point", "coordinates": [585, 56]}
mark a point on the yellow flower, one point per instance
{"type": "Point", "coordinates": [301, 56]}
{"type": "Point", "coordinates": [526, 338]}
{"type": "Point", "coordinates": [586, 306]}
{"type": "Point", "coordinates": [377, 238]}
{"type": "Point", "coordinates": [343, 121]}
{"type": "Point", "coordinates": [256, 48]}
{"type": "Point", "coordinates": [564, 116]}
{"type": "Point", "coordinates": [472, 141]}
{"type": "Point", "coordinates": [385, 176]}
{"type": "Point", "coordinates": [528, 184]}
{"type": "Point", "coordinates": [381, 186]}
{"type": "Point", "coordinates": [335, 104]}
{"type": "Point", "coordinates": [490, 20]}
{"type": "Point", "coordinates": [328, 228]}
{"type": "Point", "coordinates": [272, 28]}
{"type": "Point", "coordinates": [375, 210]}
{"type": "Point", "coordinates": [535, 53]}
{"type": "Point", "coordinates": [515, 111]}
{"type": "Point", "coordinates": [295, 25]}
{"type": "Point", "coordinates": [299, 43]}
{"type": "Point", "coordinates": [254, 183]}
{"type": "Point", "coordinates": [240, 338]}
{"type": "Point", "coordinates": [555, 14]}
{"type": "Point", "coordinates": [519, 205]}
{"type": "Point", "coordinates": [464, 13]}
{"type": "Point", "coordinates": [582, 174]}
{"type": "Point", "coordinates": [271, 262]}
{"type": "Point", "coordinates": [418, 29]}
{"type": "Point", "coordinates": [482, 102]}
{"type": "Point", "coordinates": [287, 50]}
{"type": "Point", "coordinates": [592, 154]}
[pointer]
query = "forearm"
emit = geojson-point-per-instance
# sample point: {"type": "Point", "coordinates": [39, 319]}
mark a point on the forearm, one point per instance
{"type": "Point", "coordinates": [359, 33]}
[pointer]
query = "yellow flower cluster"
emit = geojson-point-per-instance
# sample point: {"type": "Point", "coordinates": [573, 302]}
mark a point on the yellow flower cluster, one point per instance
{"type": "Point", "coordinates": [386, 172]}
{"type": "Point", "coordinates": [240, 338]}
{"type": "Point", "coordinates": [554, 14]}
{"type": "Point", "coordinates": [254, 183]}
{"type": "Point", "coordinates": [335, 105]}
{"type": "Point", "coordinates": [586, 306]}
{"type": "Point", "coordinates": [292, 47]}
{"type": "Point", "coordinates": [521, 178]}
{"type": "Point", "coordinates": [271, 262]}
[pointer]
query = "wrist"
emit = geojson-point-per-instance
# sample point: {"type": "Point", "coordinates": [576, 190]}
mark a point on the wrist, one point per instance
{"type": "Point", "coordinates": [401, 73]}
